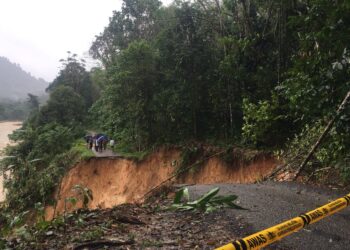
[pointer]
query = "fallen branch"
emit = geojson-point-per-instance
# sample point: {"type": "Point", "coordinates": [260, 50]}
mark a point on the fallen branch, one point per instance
{"type": "Point", "coordinates": [316, 171]}
{"type": "Point", "coordinates": [103, 243]}
{"type": "Point", "coordinates": [323, 135]}
{"type": "Point", "coordinates": [129, 220]}
{"type": "Point", "coordinates": [275, 171]}
{"type": "Point", "coordinates": [282, 167]}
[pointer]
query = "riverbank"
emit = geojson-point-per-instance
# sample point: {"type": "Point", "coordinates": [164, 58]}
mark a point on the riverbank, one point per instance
{"type": "Point", "coordinates": [6, 128]}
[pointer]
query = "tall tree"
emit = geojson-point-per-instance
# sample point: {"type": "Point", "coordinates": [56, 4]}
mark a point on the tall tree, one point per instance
{"type": "Point", "coordinates": [74, 75]}
{"type": "Point", "coordinates": [134, 22]}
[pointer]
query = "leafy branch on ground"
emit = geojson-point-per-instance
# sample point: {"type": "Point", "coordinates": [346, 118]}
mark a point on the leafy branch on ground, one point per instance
{"type": "Point", "coordinates": [209, 202]}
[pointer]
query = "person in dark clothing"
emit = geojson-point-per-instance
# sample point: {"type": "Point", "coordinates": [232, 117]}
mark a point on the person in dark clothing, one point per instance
{"type": "Point", "coordinates": [91, 143]}
{"type": "Point", "coordinates": [105, 141]}
{"type": "Point", "coordinates": [102, 142]}
{"type": "Point", "coordinates": [94, 142]}
{"type": "Point", "coordinates": [88, 139]}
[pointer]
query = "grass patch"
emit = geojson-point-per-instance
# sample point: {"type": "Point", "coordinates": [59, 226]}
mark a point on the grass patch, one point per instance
{"type": "Point", "coordinates": [126, 152]}
{"type": "Point", "coordinates": [137, 156]}
{"type": "Point", "coordinates": [80, 147]}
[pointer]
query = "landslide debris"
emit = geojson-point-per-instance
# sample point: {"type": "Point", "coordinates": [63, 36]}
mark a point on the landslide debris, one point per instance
{"type": "Point", "coordinates": [132, 226]}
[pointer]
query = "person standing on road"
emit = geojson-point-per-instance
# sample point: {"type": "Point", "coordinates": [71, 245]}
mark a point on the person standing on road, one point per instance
{"type": "Point", "coordinates": [111, 143]}
{"type": "Point", "coordinates": [88, 139]}
{"type": "Point", "coordinates": [95, 137]}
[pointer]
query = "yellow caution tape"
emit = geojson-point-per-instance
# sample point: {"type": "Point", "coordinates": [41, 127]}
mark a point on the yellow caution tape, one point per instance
{"type": "Point", "coordinates": [272, 234]}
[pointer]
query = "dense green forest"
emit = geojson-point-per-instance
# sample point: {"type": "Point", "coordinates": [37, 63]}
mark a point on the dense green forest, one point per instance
{"type": "Point", "coordinates": [262, 74]}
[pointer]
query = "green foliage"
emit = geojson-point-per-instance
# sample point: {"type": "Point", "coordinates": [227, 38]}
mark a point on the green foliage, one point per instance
{"type": "Point", "coordinates": [11, 110]}
{"type": "Point", "coordinates": [120, 107]}
{"type": "Point", "coordinates": [84, 194]}
{"type": "Point", "coordinates": [46, 144]}
{"type": "Point", "coordinates": [10, 221]}
{"type": "Point", "coordinates": [266, 123]}
{"type": "Point", "coordinates": [65, 107]}
{"type": "Point", "coordinates": [134, 22]}
{"type": "Point", "coordinates": [209, 202]}
{"type": "Point", "coordinates": [19, 110]}
{"type": "Point", "coordinates": [92, 234]}
{"type": "Point", "coordinates": [189, 155]}
{"type": "Point", "coordinates": [33, 180]}
{"type": "Point", "coordinates": [74, 75]}
{"type": "Point", "coordinates": [234, 155]}
{"type": "Point", "coordinates": [344, 165]}
{"type": "Point", "coordinates": [331, 153]}
{"type": "Point", "coordinates": [252, 73]}
{"type": "Point", "coordinates": [261, 73]}
{"type": "Point", "coordinates": [82, 150]}
{"type": "Point", "coordinates": [134, 155]}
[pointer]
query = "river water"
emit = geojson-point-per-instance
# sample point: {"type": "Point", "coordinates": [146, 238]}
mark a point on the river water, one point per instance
{"type": "Point", "coordinates": [6, 128]}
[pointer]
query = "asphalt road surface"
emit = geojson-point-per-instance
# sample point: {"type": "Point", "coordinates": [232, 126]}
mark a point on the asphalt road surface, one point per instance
{"type": "Point", "coordinates": [105, 153]}
{"type": "Point", "coordinates": [272, 203]}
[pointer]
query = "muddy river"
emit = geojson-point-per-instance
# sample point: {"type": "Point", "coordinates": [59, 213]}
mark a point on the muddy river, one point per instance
{"type": "Point", "coordinates": [6, 128]}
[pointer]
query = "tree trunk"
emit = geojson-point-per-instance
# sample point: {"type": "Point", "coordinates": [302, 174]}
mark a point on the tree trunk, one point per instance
{"type": "Point", "coordinates": [325, 132]}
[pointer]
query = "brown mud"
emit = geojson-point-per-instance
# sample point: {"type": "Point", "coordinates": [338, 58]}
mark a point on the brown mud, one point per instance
{"type": "Point", "coordinates": [6, 128]}
{"type": "Point", "coordinates": [115, 181]}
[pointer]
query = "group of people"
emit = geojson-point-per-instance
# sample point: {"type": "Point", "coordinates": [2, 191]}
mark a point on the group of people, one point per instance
{"type": "Point", "coordinates": [98, 142]}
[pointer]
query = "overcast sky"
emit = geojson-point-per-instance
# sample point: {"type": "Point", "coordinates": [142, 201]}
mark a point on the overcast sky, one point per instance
{"type": "Point", "coordinates": [37, 33]}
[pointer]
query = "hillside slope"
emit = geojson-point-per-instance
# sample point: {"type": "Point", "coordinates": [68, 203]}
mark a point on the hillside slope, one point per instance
{"type": "Point", "coordinates": [15, 83]}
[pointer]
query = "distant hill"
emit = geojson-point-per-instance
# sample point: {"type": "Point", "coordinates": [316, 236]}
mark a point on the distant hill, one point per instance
{"type": "Point", "coordinates": [15, 83]}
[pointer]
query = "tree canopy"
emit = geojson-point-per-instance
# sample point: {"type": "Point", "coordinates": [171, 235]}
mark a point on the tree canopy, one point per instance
{"type": "Point", "coordinates": [263, 74]}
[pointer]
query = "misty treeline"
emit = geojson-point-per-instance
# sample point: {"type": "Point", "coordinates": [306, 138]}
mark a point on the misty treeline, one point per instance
{"type": "Point", "coordinates": [15, 84]}
{"type": "Point", "coordinates": [20, 109]}
{"type": "Point", "coordinates": [13, 110]}
{"type": "Point", "coordinates": [266, 74]}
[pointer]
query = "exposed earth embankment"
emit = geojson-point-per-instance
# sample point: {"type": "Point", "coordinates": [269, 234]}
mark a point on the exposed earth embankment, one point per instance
{"type": "Point", "coordinates": [114, 181]}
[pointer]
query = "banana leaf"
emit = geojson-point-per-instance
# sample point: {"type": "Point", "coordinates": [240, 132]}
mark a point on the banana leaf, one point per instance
{"type": "Point", "coordinates": [205, 198]}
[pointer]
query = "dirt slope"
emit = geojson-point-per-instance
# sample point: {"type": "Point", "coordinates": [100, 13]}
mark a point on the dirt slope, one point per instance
{"type": "Point", "coordinates": [114, 181]}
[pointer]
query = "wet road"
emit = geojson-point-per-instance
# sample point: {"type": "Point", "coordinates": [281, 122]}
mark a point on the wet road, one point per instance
{"type": "Point", "coordinates": [272, 203]}
{"type": "Point", "coordinates": [105, 153]}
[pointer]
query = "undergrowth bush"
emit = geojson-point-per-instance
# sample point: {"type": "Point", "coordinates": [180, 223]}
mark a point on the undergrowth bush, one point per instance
{"type": "Point", "coordinates": [332, 152]}
{"type": "Point", "coordinates": [189, 156]}
{"type": "Point", "coordinates": [36, 164]}
{"type": "Point", "coordinates": [238, 155]}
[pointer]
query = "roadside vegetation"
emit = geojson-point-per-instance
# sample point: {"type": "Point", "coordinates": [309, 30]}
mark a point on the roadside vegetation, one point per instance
{"type": "Point", "coordinates": [49, 142]}
{"type": "Point", "coordinates": [266, 75]}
